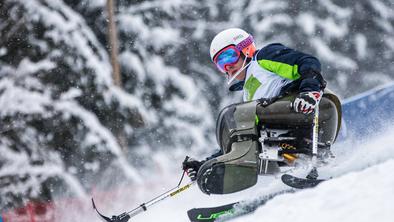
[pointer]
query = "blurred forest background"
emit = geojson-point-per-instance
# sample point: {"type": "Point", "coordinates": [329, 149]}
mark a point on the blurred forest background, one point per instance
{"type": "Point", "coordinates": [66, 126]}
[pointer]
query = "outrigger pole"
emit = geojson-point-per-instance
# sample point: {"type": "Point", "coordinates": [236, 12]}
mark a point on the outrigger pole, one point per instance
{"type": "Point", "coordinates": [313, 174]}
{"type": "Point", "coordinates": [124, 217]}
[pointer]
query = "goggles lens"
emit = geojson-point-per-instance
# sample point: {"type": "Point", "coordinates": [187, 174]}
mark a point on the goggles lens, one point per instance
{"type": "Point", "coordinates": [228, 56]}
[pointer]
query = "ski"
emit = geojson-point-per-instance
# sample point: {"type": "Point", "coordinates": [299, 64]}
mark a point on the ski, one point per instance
{"type": "Point", "coordinates": [232, 210]}
{"type": "Point", "coordinates": [300, 183]}
{"type": "Point", "coordinates": [212, 213]}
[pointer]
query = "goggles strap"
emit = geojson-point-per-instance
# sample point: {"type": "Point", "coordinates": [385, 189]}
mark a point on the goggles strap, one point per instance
{"type": "Point", "coordinates": [245, 43]}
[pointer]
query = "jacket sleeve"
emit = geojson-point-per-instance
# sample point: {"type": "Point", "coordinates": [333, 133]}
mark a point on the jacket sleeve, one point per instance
{"type": "Point", "coordinates": [291, 64]}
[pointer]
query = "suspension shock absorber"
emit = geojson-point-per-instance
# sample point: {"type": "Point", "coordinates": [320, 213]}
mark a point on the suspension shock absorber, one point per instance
{"type": "Point", "coordinates": [290, 158]}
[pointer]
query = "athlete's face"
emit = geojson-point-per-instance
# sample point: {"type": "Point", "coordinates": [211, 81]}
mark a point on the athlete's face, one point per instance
{"type": "Point", "coordinates": [233, 69]}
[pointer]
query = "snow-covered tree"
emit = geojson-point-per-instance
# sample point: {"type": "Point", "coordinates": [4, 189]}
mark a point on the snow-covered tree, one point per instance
{"type": "Point", "coordinates": [64, 124]}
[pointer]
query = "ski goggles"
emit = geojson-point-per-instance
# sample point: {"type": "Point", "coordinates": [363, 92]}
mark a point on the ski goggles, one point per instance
{"type": "Point", "coordinates": [227, 57]}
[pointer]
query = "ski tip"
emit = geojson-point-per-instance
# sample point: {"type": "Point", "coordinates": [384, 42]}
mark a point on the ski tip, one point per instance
{"type": "Point", "coordinates": [94, 205]}
{"type": "Point", "coordinates": [300, 183]}
{"type": "Point", "coordinates": [101, 216]}
{"type": "Point", "coordinates": [284, 176]}
{"type": "Point", "coordinates": [287, 178]}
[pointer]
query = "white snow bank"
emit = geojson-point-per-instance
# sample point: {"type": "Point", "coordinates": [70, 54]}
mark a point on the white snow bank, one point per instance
{"type": "Point", "coordinates": [362, 190]}
{"type": "Point", "coordinates": [358, 196]}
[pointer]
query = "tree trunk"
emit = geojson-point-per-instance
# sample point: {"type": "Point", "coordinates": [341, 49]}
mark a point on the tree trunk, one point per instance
{"type": "Point", "coordinates": [113, 43]}
{"type": "Point", "coordinates": [113, 47]}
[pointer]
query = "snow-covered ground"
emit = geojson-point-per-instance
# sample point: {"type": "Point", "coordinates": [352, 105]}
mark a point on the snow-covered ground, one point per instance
{"type": "Point", "coordinates": [362, 190]}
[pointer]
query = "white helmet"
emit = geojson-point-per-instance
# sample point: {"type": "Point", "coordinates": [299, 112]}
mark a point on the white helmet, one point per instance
{"type": "Point", "coordinates": [242, 40]}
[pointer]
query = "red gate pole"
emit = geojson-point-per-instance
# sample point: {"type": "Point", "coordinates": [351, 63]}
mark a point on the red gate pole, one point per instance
{"type": "Point", "coordinates": [30, 211]}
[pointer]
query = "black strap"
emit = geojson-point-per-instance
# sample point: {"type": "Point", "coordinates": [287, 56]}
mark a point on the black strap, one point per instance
{"type": "Point", "coordinates": [241, 138]}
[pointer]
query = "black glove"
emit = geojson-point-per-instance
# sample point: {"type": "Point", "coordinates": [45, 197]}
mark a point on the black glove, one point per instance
{"type": "Point", "coordinates": [306, 102]}
{"type": "Point", "coordinates": [191, 167]}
